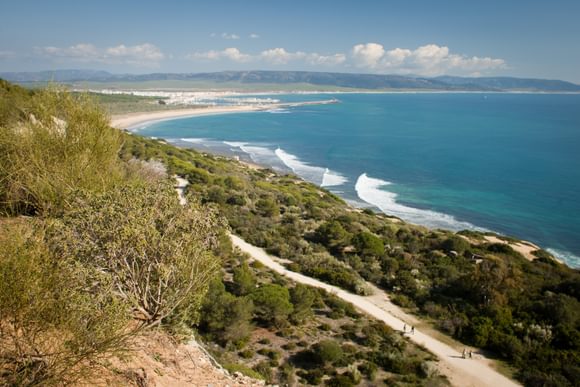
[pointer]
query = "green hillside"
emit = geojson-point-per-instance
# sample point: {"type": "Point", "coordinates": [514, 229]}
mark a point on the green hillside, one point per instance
{"type": "Point", "coordinates": [95, 249]}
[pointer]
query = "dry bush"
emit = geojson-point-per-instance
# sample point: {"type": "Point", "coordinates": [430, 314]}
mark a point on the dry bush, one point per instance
{"type": "Point", "coordinates": [56, 317]}
{"type": "Point", "coordinates": [63, 143]}
{"type": "Point", "coordinates": [157, 250]}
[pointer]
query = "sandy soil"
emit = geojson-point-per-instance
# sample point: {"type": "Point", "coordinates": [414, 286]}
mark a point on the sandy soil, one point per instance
{"type": "Point", "coordinates": [157, 360]}
{"type": "Point", "coordinates": [130, 120]}
{"type": "Point", "coordinates": [461, 372]}
{"type": "Point", "coordinates": [524, 248]}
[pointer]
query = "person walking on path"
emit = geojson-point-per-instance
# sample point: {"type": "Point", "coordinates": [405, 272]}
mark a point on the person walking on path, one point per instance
{"type": "Point", "coordinates": [413, 330]}
{"type": "Point", "coordinates": [404, 328]}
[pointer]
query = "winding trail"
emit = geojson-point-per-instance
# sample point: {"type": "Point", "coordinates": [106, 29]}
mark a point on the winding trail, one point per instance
{"type": "Point", "coordinates": [461, 372]}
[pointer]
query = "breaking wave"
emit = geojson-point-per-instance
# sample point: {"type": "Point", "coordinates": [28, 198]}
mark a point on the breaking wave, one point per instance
{"type": "Point", "coordinates": [369, 190]}
{"type": "Point", "coordinates": [565, 256]}
{"type": "Point", "coordinates": [317, 175]}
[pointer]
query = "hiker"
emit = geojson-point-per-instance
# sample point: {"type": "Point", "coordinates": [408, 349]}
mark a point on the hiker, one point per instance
{"type": "Point", "coordinates": [404, 328]}
{"type": "Point", "coordinates": [471, 354]}
{"type": "Point", "coordinates": [413, 330]}
{"type": "Point", "coordinates": [463, 353]}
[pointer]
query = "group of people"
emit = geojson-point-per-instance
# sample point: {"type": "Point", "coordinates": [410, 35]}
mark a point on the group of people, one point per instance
{"type": "Point", "coordinates": [465, 354]}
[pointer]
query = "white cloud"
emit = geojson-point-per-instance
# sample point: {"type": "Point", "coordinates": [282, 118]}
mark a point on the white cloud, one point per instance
{"type": "Point", "coordinates": [273, 56]}
{"type": "Point", "coordinates": [225, 35]}
{"type": "Point", "coordinates": [230, 53]}
{"type": "Point", "coordinates": [145, 54]}
{"type": "Point", "coordinates": [279, 56]}
{"type": "Point", "coordinates": [368, 55]}
{"type": "Point", "coordinates": [330, 60]}
{"type": "Point", "coordinates": [254, 36]}
{"type": "Point", "coordinates": [428, 60]}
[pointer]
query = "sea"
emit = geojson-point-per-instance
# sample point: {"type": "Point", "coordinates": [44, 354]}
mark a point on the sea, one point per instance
{"type": "Point", "coordinates": [502, 162]}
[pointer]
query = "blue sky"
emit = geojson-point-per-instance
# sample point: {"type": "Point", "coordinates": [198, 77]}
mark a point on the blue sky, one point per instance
{"type": "Point", "coordinates": [511, 37]}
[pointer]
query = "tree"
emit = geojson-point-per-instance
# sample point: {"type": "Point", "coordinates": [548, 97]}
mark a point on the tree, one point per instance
{"type": "Point", "coordinates": [302, 298]}
{"type": "Point", "coordinates": [272, 303]}
{"type": "Point", "coordinates": [158, 251]}
{"type": "Point", "coordinates": [332, 235]}
{"type": "Point", "coordinates": [225, 317]}
{"type": "Point", "coordinates": [244, 280]}
{"type": "Point", "coordinates": [368, 244]}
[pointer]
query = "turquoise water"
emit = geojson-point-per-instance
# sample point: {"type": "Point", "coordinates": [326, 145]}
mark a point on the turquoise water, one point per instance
{"type": "Point", "coordinates": [508, 163]}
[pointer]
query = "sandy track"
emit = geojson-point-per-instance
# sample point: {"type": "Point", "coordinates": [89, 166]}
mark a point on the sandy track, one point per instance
{"type": "Point", "coordinates": [461, 372]}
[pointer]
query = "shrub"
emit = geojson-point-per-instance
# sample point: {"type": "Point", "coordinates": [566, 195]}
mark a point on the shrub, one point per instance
{"type": "Point", "coordinates": [55, 316]}
{"type": "Point", "coordinates": [326, 351]}
{"type": "Point", "coordinates": [368, 244]}
{"type": "Point", "coordinates": [244, 280]}
{"type": "Point", "coordinates": [247, 354]}
{"type": "Point", "coordinates": [302, 298]}
{"type": "Point", "coordinates": [64, 144]}
{"type": "Point", "coordinates": [225, 317]}
{"type": "Point", "coordinates": [264, 369]}
{"type": "Point", "coordinates": [232, 367]}
{"type": "Point", "coordinates": [272, 303]}
{"type": "Point", "coordinates": [157, 250]}
{"type": "Point", "coordinates": [454, 243]}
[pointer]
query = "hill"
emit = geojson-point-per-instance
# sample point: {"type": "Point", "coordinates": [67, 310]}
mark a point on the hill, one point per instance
{"type": "Point", "coordinates": [298, 79]}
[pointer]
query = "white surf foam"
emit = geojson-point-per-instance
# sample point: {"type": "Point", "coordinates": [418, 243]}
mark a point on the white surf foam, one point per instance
{"type": "Point", "coordinates": [317, 175]}
{"type": "Point", "coordinates": [565, 256]}
{"type": "Point", "coordinates": [369, 190]}
{"type": "Point", "coordinates": [235, 144]}
{"type": "Point", "coordinates": [259, 154]}
{"type": "Point", "coordinates": [194, 140]}
{"type": "Point", "coordinates": [331, 178]}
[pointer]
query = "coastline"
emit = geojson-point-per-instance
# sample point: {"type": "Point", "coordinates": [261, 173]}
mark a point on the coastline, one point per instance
{"type": "Point", "coordinates": [131, 121]}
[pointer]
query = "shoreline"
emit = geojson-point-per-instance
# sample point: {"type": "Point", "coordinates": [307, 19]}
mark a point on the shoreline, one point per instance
{"type": "Point", "coordinates": [130, 122]}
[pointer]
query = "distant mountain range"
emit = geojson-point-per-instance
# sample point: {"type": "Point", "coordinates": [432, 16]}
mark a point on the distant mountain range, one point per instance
{"type": "Point", "coordinates": [342, 80]}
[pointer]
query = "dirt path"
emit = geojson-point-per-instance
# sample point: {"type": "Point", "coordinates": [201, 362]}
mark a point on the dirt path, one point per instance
{"type": "Point", "coordinates": [461, 372]}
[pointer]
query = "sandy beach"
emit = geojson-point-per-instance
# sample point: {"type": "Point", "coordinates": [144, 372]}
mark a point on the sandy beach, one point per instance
{"type": "Point", "coordinates": [132, 120]}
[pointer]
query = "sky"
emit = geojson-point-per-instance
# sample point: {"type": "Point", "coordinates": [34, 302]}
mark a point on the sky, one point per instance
{"type": "Point", "coordinates": [532, 38]}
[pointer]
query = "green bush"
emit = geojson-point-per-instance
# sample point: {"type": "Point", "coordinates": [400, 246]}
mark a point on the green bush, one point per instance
{"type": "Point", "coordinates": [368, 244]}
{"type": "Point", "coordinates": [272, 303]}
{"type": "Point", "coordinates": [302, 298]}
{"type": "Point", "coordinates": [232, 368]}
{"type": "Point", "coordinates": [225, 317]}
{"type": "Point", "coordinates": [326, 351]}
{"type": "Point", "coordinates": [56, 316]}
{"type": "Point", "coordinates": [244, 280]}
{"type": "Point", "coordinates": [63, 144]}
{"type": "Point", "coordinates": [157, 250]}
{"type": "Point", "coordinates": [264, 369]}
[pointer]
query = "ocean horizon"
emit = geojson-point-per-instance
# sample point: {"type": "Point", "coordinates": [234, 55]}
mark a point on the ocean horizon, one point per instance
{"type": "Point", "coordinates": [506, 163]}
